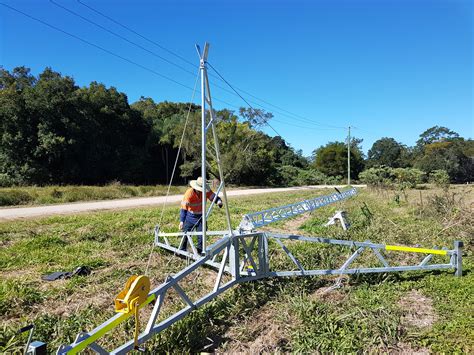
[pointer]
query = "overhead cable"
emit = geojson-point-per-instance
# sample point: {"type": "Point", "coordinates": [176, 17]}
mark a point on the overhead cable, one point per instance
{"type": "Point", "coordinates": [98, 47]}
{"type": "Point", "coordinates": [293, 115]}
{"type": "Point", "coordinates": [234, 91]}
{"type": "Point", "coordinates": [248, 104]}
{"type": "Point", "coordinates": [136, 33]}
{"type": "Point", "coordinates": [121, 37]}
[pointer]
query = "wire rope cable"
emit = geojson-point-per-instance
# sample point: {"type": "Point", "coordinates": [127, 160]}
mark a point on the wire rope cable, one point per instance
{"type": "Point", "coordinates": [174, 169]}
{"type": "Point", "coordinates": [136, 33]}
{"type": "Point", "coordinates": [110, 52]}
{"type": "Point", "coordinates": [220, 77]}
{"type": "Point", "coordinates": [247, 102]}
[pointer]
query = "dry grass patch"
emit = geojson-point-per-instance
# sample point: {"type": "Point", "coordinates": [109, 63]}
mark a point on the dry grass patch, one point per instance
{"type": "Point", "coordinates": [417, 310]}
{"type": "Point", "coordinates": [264, 331]}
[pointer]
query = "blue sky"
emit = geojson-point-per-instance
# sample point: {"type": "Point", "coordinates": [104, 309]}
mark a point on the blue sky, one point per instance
{"type": "Point", "coordinates": [389, 68]}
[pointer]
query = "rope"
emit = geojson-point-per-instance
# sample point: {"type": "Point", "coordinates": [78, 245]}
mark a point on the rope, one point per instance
{"type": "Point", "coordinates": [174, 170]}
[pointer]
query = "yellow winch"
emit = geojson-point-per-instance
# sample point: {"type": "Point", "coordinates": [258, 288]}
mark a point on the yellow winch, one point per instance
{"type": "Point", "coordinates": [131, 297]}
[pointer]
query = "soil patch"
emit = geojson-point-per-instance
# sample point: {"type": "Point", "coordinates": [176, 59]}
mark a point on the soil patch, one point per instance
{"type": "Point", "coordinates": [260, 333]}
{"type": "Point", "coordinates": [293, 225]}
{"type": "Point", "coordinates": [404, 348]}
{"type": "Point", "coordinates": [417, 310]}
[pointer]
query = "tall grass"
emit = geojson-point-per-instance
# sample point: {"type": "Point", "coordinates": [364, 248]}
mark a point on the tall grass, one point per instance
{"type": "Point", "coordinates": [60, 194]}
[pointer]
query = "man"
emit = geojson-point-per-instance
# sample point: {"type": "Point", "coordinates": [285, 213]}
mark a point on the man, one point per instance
{"type": "Point", "coordinates": [190, 217]}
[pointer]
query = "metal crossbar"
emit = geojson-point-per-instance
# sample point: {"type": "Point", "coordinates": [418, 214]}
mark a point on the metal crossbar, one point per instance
{"type": "Point", "coordinates": [254, 220]}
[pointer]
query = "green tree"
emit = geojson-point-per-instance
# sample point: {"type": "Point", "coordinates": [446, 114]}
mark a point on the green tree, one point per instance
{"type": "Point", "coordinates": [18, 128]}
{"type": "Point", "coordinates": [440, 148]}
{"type": "Point", "coordinates": [255, 117]}
{"type": "Point", "coordinates": [436, 134]}
{"type": "Point", "coordinates": [378, 177]}
{"type": "Point", "coordinates": [286, 155]}
{"type": "Point", "coordinates": [166, 122]}
{"type": "Point", "coordinates": [440, 178]}
{"type": "Point", "coordinates": [387, 151]}
{"type": "Point", "coordinates": [112, 136]}
{"type": "Point", "coordinates": [52, 131]}
{"type": "Point", "coordinates": [448, 156]}
{"type": "Point", "coordinates": [331, 159]}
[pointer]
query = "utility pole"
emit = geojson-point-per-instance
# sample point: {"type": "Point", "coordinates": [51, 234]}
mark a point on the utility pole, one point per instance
{"type": "Point", "coordinates": [349, 156]}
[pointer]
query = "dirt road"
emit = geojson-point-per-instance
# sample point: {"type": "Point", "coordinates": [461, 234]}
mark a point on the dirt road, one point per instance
{"type": "Point", "coordinates": [78, 207]}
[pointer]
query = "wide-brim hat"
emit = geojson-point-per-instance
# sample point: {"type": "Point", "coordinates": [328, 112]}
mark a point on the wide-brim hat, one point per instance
{"type": "Point", "coordinates": [197, 184]}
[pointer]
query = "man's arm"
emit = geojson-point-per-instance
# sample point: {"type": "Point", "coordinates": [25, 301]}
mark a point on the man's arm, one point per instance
{"type": "Point", "coordinates": [211, 195]}
{"type": "Point", "coordinates": [182, 218]}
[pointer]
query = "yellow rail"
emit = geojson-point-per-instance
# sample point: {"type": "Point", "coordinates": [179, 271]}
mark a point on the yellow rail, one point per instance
{"type": "Point", "coordinates": [416, 250]}
{"type": "Point", "coordinates": [123, 316]}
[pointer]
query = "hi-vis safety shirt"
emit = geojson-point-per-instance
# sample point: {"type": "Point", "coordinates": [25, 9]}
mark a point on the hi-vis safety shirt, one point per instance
{"type": "Point", "coordinates": [191, 205]}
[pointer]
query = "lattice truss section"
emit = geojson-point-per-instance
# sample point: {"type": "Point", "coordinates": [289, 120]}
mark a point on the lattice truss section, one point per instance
{"type": "Point", "coordinates": [252, 256]}
{"type": "Point", "coordinates": [252, 221]}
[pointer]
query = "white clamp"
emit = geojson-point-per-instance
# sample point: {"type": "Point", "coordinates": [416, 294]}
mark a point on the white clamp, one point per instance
{"type": "Point", "coordinates": [339, 216]}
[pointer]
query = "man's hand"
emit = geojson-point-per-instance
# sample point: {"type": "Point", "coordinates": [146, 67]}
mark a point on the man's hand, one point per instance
{"type": "Point", "coordinates": [181, 226]}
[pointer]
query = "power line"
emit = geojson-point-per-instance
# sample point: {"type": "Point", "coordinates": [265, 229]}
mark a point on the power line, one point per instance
{"type": "Point", "coordinates": [121, 37]}
{"type": "Point", "coordinates": [129, 41]}
{"type": "Point", "coordinates": [136, 33]}
{"type": "Point", "coordinates": [138, 64]}
{"type": "Point", "coordinates": [109, 52]}
{"type": "Point", "coordinates": [248, 104]}
{"type": "Point", "coordinates": [289, 112]}
{"type": "Point", "coordinates": [97, 46]}
{"type": "Point", "coordinates": [293, 115]}
{"type": "Point", "coordinates": [137, 45]}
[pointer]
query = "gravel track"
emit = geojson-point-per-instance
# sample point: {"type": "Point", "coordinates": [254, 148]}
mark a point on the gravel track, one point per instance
{"type": "Point", "coordinates": [78, 207]}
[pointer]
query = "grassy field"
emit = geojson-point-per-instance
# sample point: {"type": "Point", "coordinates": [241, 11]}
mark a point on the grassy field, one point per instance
{"type": "Point", "coordinates": [33, 195]}
{"type": "Point", "coordinates": [416, 311]}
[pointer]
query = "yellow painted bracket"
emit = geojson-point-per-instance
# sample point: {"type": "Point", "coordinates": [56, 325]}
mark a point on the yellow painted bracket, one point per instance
{"type": "Point", "coordinates": [113, 324]}
{"type": "Point", "coordinates": [127, 303]}
{"type": "Point", "coordinates": [416, 250]}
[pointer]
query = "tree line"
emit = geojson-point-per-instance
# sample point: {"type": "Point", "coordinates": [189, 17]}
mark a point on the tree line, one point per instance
{"type": "Point", "coordinates": [437, 149]}
{"type": "Point", "coordinates": [55, 132]}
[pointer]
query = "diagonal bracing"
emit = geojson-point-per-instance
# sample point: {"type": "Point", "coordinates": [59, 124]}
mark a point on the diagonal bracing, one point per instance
{"type": "Point", "coordinates": [238, 250]}
{"type": "Point", "coordinates": [254, 220]}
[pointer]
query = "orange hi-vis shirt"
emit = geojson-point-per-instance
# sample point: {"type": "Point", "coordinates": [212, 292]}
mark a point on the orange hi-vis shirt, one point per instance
{"type": "Point", "coordinates": [192, 200]}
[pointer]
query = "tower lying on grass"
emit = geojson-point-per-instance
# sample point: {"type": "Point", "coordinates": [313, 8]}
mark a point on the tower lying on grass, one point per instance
{"type": "Point", "coordinates": [245, 254]}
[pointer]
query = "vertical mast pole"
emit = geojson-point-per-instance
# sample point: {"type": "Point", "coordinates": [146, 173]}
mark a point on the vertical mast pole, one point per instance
{"type": "Point", "coordinates": [349, 156]}
{"type": "Point", "coordinates": [203, 142]}
{"type": "Point", "coordinates": [218, 156]}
